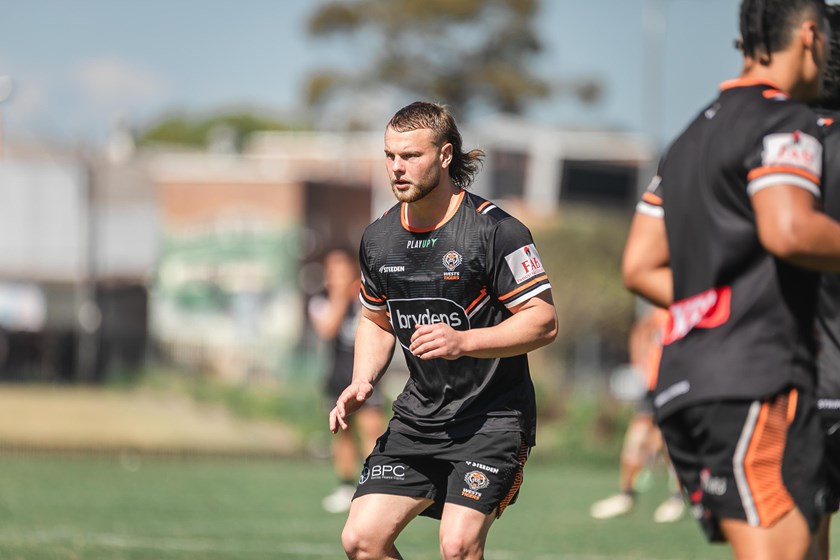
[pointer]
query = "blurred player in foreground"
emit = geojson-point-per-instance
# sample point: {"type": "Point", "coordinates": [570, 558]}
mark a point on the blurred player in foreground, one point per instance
{"type": "Point", "coordinates": [723, 236]}
{"type": "Point", "coordinates": [459, 284]}
{"type": "Point", "coordinates": [643, 441]}
{"type": "Point", "coordinates": [334, 315]}
{"type": "Point", "coordinates": [828, 306]}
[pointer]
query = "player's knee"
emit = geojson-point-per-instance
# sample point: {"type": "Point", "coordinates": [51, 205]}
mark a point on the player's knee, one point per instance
{"type": "Point", "coordinates": [455, 546]}
{"type": "Point", "coordinates": [358, 545]}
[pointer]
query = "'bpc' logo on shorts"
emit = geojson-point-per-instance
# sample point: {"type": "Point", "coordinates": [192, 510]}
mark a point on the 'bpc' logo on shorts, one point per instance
{"type": "Point", "coordinates": [382, 472]}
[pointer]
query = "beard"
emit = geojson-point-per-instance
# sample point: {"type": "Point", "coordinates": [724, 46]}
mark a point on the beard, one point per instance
{"type": "Point", "coordinates": [419, 189]}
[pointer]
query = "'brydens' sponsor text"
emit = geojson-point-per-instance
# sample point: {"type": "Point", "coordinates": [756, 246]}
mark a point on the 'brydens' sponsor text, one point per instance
{"type": "Point", "coordinates": [407, 314]}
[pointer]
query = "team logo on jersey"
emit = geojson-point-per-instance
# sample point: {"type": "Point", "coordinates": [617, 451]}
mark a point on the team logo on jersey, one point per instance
{"type": "Point", "coordinates": [793, 149]}
{"type": "Point", "coordinates": [524, 263]}
{"type": "Point", "coordinates": [452, 260]}
{"type": "Point", "coordinates": [407, 314]}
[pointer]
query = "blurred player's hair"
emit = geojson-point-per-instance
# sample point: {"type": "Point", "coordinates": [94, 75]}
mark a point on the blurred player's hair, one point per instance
{"type": "Point", "coordinates": [767, 25]}
{"type": "Point", "coordinates": [831, 77]}
{"type": "Point", "coordinates": [422, 114]}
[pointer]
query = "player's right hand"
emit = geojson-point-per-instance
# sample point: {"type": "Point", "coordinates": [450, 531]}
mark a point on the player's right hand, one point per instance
{"type": "Point", "coordinates": [350, 400]}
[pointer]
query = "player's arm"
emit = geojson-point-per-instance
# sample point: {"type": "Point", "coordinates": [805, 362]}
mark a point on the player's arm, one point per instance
{"type": "Point", "coordinates": [374, 348]}
{"type": "Point", "coordinates": [326, 314]}
{"type": "Point", "coordinates": [532, 325]}
{"type": "Point", "coordinates": [645, 266]}
{"type": "Point", "coordinates": [791, 227]}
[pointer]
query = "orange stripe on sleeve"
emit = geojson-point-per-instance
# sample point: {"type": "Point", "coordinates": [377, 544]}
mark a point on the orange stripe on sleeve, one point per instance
{"type": "Point", "coordinates": [651, 198]}
{"type": "Point", "coordinates": [762, 171]}
{"type": "Point", "coordinates": [370, 298]}
{"type": "Point", "coordinates": [537, 280]}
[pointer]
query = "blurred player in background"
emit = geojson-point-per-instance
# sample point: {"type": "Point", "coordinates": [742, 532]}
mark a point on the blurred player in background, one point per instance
{"type": "Point", "coordinates": [739, 193]}
{"type": "Point", "coordinates": [459, 284]}
{"type": "Point", "coordinates": [643, 441]}
{"type": "Point", "coordinates": [334, 315]}
{"type": "Point", "coordinates": [828, 306]}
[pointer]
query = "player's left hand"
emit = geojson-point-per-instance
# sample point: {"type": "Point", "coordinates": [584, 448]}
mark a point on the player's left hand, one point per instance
{"type": "Point", "coordinates": [437, 341]}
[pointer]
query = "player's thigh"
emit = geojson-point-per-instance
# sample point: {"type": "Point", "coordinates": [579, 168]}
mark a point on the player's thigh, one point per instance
{"type": "Point", "coordinates": [381, 517]}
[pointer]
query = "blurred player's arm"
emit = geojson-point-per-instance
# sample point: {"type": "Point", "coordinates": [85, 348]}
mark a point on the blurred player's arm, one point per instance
{"type": "Point", "coordinates": [374, 348]}
{"type": "Point", "coordinates": [532, 325]}
{"type": "Point", "coordinates": [645, 266]}
{"type": "Point", "coordinates": [793, 228]}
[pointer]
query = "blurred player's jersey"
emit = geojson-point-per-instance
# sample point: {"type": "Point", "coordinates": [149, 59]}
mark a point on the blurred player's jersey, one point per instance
{"type": "Point", "coordinates": [467, 272]}
{"type": "Point", "coordinates": [742, 321]}
{"type": "Point", "coordinates": [828, 323]}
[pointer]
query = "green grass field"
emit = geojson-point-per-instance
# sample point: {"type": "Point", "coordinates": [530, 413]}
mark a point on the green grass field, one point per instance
{"type": "Point", "coordinates": [61, 507]}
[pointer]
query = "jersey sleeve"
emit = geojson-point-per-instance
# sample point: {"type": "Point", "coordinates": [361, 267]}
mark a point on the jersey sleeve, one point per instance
{"type": "Point", "coordinates": [789, 153]}
{"type": "Point", "coordinates": [651, 202]}
{"type": "Point", "coordinates": [516, 270]}
{"type": "Point", "coordinates": [371, 292]}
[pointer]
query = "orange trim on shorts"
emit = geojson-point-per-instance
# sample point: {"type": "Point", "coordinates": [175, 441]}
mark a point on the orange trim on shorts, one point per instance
{"type": "Point", "coordinates": [517, 480]}
{"type": "Point", "coordinates": [763, 461]}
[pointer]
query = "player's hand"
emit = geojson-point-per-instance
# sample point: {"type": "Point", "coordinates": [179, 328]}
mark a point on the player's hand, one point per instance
{"type": "Point", "coordinates": [437, 341]}
{"type": "Point", "coordinates": [348, 402]}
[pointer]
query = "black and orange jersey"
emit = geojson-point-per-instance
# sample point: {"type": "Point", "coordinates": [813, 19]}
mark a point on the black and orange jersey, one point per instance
{"type": "Point", "coordinates": [742, 321]}
{"type": "Point", "coordinates": [468, 272]}
{"type": "Point", "coordinates": [828, 314]}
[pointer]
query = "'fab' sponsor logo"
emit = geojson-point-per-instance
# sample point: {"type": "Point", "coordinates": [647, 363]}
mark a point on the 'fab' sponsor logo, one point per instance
{"type": "Point", "coordinates": [525, 263]}
{"type": "Point", "coordinates": [407, 314]}
{"type": "Point", "coordinates": [793, 149]}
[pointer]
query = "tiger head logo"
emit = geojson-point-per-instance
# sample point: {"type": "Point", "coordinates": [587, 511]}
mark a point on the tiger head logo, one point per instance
{"type": "Point", "coordinates": [452, 260]}
{"type": "Point", "coordinates": [476, 480]}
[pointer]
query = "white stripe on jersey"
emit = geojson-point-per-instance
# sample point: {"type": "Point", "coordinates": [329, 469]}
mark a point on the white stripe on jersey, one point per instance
{"type": "Point", "coordinates": [738, 464]}
{"type": "Point", "coordinates": [527, 295]}
{"type": "Point", "coordinates": [774, 179]}
{"type": "Point", "coordinates": [651, 210]}
{"type": "Point", "coordinates": [490, 207]}
{"type": "Point", "coordinates": [479, 306]}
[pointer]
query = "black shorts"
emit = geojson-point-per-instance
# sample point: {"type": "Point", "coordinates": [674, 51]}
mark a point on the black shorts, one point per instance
{"type": "Point", "coordinates": [749, 460]}
{"type": "Point", "coordinates": [482, 472]}
{"type": "Point", "coordinates": [831, 428]}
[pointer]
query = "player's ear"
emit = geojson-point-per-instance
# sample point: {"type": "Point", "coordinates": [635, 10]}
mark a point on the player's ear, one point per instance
{"type": "Point", "coordinates": [446, 155]}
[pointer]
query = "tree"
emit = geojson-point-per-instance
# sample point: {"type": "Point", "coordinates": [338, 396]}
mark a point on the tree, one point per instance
{"type": "Point", "coordinates": [457, 52]}
{"type": "Point", "coordinates": [232, 129]}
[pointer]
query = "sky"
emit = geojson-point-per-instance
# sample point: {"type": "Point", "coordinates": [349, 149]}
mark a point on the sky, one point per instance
{"type": "Point", "coordinates": [79, 66]}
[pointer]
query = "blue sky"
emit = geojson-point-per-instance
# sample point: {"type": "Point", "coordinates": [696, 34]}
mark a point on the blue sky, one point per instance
{"type": "Point", "coordinates": [79, 65]}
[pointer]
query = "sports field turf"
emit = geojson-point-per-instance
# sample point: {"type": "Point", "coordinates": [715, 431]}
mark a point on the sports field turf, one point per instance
{"type": "Point", "coordinates": [107, 507]}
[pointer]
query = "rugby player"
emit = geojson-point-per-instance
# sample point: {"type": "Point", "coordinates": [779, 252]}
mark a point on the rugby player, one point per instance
{"type": "Point", "coordinates": [459, 285]}
{"type": "Point", "coordinates": [334, 314]}
{"type": "Point", "coordinates": [828, 305]}
{"type": "Point", "coordinates": [723, 237]}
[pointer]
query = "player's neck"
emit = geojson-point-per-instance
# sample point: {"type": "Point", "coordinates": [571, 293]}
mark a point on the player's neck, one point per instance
{"type": "Point", "coordinates": [783, 72]}
{"type": "Point", "coordinates": [432, 210]}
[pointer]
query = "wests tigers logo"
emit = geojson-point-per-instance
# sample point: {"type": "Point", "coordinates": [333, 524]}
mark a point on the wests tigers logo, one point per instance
{"type": "Point", "coordinates": [476, 480]}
